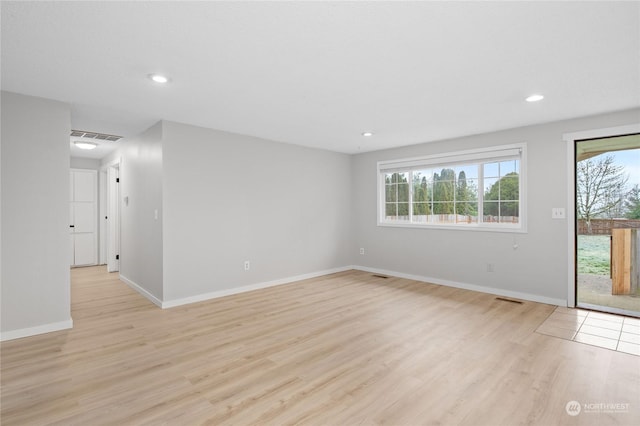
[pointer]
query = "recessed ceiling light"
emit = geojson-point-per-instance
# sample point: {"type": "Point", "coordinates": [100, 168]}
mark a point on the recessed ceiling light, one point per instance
{"type": "Point", "coordinates": [367, 134]}
{"type": "Point", "coordinates": [534, 98]}
{"type": "Point", "coordinates": [159, 78]}
{"type": "Point", "coordinates": [85, 145]}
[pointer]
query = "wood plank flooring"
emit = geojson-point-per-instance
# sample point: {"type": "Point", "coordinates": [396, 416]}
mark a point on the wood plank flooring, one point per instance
{"type": "Point", "coordinates": [343, 349]}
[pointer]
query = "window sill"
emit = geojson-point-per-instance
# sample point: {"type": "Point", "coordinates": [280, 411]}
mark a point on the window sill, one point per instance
{"type": "Point", "coordinates": [520, 229]}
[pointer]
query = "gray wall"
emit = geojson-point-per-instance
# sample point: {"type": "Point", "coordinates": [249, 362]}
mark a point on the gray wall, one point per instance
{"type": "Point", "coordinates": [35, 215]}
{"type": "Point", "coordinates": [539, 267]}
{"type": "Point", "coordinates": [141, 243]}
{"type": "Point", "coordinates": [230, 198]}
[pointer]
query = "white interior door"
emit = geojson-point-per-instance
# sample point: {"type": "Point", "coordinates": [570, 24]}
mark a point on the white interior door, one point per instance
{"type": "Point", "coordinates": [83, 217]}
{"type": "Point", "coordinates": [84, 245]}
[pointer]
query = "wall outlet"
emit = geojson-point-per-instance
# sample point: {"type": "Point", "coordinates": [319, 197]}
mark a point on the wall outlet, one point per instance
{"type": "Point", "coordinates": [247, 265]}
{"type": "Point", "coordinates": [361, 250]}
{"type": "Point", "coordinates": [490, 267]}
{"type": "Point", "coordinates": [558, 213]}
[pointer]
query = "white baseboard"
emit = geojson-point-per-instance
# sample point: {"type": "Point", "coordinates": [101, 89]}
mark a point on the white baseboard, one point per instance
{"type": "Point", "coordinates": [250, 287]}
{"type": "Point", "coordinates": [32, 331]}
{"type": "Point", "coordinates": [228, 292]}
{"type": "Point", "coordinates": [466, 286]}
{"type": "Point", "coordinates": [141, 290]}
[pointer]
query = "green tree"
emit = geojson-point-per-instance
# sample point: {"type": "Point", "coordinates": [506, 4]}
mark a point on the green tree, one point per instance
{"type": "Point", "coordinates": [397, 194]}
{"type": "Point", "coordinates": [466, 200]}
{"type": "Point", "coordinates": [421, 196]}
{"type": "Point", "coordinates": [461, 187]}
{"type": "Point", "coordinates": [443, 191]}
{"type": "Point", "coordinates": [502, 198]}
{"type": "Point", "coordinates": [632, 203]}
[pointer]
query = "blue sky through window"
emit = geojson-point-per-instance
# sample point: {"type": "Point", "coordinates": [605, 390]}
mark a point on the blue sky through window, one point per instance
{"type": "Point", "coordinates": [630, 159]}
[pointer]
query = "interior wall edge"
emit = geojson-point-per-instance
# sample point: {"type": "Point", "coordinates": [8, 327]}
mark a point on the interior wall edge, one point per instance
{"type": "Point", "coordinates": [137, 287]}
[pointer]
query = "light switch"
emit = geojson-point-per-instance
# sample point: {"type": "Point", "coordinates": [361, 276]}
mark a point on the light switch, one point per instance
{"type": "Point", "coordinates": [558, 213]}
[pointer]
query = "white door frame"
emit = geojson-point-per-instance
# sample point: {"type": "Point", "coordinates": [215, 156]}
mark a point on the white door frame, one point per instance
{"type": "Point", "coordinates": [102, 215]}
{"type": "Point", "coordinates": [113, 223]}
{"type": "Point", "coordinates": [570, 139]}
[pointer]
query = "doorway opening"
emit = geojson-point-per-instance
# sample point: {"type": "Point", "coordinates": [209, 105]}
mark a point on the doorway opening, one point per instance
{"type": "Point", "coordinates": [607, 225]}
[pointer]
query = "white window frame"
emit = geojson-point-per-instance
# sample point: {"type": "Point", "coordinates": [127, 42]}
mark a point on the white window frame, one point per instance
{"type": "Point", "coordinates": [474, 156]}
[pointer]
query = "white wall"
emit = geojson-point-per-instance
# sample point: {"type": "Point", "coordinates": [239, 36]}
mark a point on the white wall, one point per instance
{"type": "Point", "coordinates": [538, 269]}
{"type": "Point", "coordinates": [230, 198]}
{"type": "Point", "coordinates": [141, 243]}
{"type": "Point", "coordinates": [85, 163]}
{"type": "Point", "coordinates": [35, 216]}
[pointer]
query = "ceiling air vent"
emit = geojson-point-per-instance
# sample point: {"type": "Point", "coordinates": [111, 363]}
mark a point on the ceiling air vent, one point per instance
{"type": "Point", "coordinates": [94, 135]}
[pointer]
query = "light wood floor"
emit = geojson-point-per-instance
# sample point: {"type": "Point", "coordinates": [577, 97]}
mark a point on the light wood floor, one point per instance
{"type": "Point", "coordinates": [345, 349]}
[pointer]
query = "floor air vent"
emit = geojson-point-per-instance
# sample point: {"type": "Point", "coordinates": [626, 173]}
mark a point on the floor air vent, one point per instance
{"type": "Point", "coordinates": [509, 300]}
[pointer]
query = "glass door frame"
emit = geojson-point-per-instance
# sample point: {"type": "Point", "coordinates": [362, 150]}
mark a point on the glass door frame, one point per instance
{"type": "Point", "coordinates": [571, 139]}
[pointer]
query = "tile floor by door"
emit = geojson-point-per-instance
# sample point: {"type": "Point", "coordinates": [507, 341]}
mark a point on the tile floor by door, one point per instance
{"type": "Point", "coordinates": [608, 331]}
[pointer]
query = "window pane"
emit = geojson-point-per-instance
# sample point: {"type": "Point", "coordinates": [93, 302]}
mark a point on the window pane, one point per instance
{"type": "Point", "coordinates": [443, 190]}
{"type": "Point", "coordinates": [491, 189]}
{"type": "Point", "coordinates": [472, 190]}
{"type": "Point", "coordinates": [419, 175]}
{"type": "Point", "coordinates": [491, 211]}
{"type": "Point", "coordinates": [466, 190]}
{"type": "Point", "coordinates": [447, 174]}
{"type": "Point", "coordinates": [509, 209]}
{"type": "Point", "coordinates": [391, 193]}
{"type": "Point", "coordinates": [509, 187]}
{"type": "Point", "coordinates": [421, 209]}
{"type": "Point", "coordinates": [510, 219]}
{"type": "Point", "coordinates": [470, 171]}
{"type": "Point", "coordinates": [501, 212]}
{"type": "Point", "coordinates": [403, 211]}
{"type": "Point", "coordinates": [421, 212]}
{"type": "Point", "coordinates": [390, 210]}
{"type": "Point", "coordinates": [492, 170]}
{"type": "Point", "coordinates": [443, 207]}
{"type": "Point", "coordinates": [403, 192]}
{"type": "Point", "coordinates": [422, 186]}
{"type": "Point", "coordinates": [396, 177]}
{"type": "Point", "coordinates": [421, 193]}
{"type": "Point", "coordinates": [442, 217]}
{"type": "Point", "coordinates": [467, 209]}
{"type": "Point", "coordinates": [510, 166]}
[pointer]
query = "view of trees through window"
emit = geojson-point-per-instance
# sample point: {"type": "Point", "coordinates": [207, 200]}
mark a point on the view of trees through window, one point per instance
{"type": "Point", "coordinates": [451, 195]}
{"type": "Point", "coordinates": [607, 186]}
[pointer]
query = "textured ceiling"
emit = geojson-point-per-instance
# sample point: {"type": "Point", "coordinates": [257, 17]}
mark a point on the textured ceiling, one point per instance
{"type": "Point", "coordinates": [320, 73]}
